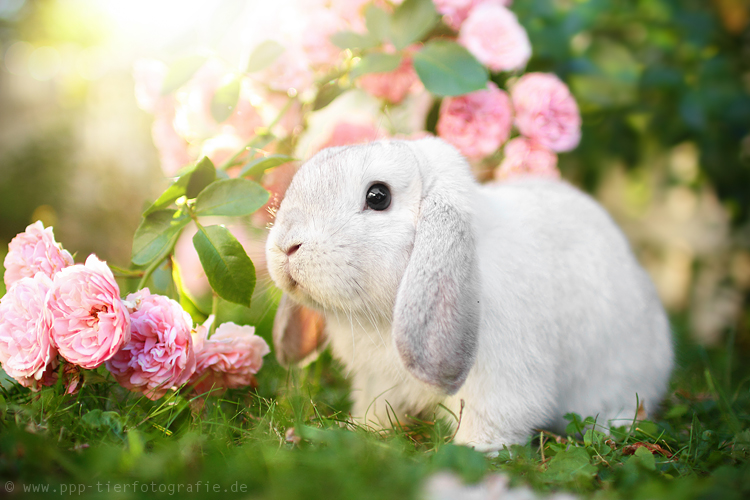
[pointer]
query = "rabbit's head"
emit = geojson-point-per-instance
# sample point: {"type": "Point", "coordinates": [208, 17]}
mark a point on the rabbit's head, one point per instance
{"type": "Point", "coordinates": [383, 231]}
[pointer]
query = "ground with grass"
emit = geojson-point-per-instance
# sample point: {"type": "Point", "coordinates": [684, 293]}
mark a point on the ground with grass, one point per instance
{"type": "Point", "coordinates": [285, 439]}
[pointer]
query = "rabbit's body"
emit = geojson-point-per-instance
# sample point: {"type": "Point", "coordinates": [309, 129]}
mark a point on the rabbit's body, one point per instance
{"type": "Point", "coordinates": [561, 317]}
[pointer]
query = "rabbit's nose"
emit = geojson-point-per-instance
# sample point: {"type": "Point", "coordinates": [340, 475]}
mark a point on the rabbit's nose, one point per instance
{"type": "Point", "coordinates": [292, 249]}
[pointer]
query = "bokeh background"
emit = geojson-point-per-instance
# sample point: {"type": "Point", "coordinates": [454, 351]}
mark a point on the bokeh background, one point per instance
{"type": "Point", "coordinates": [663, 87]}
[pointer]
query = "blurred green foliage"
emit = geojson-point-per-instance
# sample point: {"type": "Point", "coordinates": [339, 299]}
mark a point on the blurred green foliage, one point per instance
{"type": "Point", "coordinates": [32, 174]}
{"type": "Point", "coordinates": [652, 74]}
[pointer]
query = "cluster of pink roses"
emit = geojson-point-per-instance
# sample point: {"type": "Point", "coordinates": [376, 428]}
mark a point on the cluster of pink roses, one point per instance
{"type": "Point", "coordinates": [541, 108]}
{"type": "Point", "coordinates": [57, 309]}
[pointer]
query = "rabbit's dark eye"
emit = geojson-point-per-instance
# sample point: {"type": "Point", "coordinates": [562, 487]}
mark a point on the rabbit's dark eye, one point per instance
{"type": "Point", "coordinates": [378, 197]}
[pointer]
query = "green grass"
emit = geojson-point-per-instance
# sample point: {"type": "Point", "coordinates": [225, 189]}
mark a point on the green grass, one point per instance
{"type": "Point", "coordinates": [289, 439]}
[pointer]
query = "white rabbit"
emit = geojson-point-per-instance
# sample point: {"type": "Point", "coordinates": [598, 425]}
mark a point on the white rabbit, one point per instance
{"type": "Point", "coordinates": [521, 299]}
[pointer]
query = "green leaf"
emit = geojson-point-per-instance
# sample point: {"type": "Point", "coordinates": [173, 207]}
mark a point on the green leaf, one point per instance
{"type": "Point", "coordinates": [327, 94]}
{"type": "Point", "coordinates": [645, 458]}
{"type": "Point", "coordinates": [376, 63]}
{"type": "Point", "coordinates": [447, 69]}
{"type": "Point", "coordinates": [180, 72]}
{"type": "Point", "coordinates": [186, 300]}
{"type": "Point", "coordinates": [411, 21]}
{"type": "Point", "coordinates": [572, 465]}
{"type": "Point", "coordinates": [155, 235]}
{"type": "Point", "coordinates": [264, 55]}
{"type": "Point", "coordinates": [200, 177]}
{"type": "Point", "coordinates": [378, 22]}
{"type": "Point", "coordinates": [231, 197]}
{"type": "Point", "coordinates": [230, 271]}
{"type": "Point", "coordinates": [98, 419]}
{"type": "Point", "coordinates": [352, 40]}
{"type": "Point", "coordinates": [190, 183]}
{"type": "Point", "coordinates": [225, 100]}
{"type": "Point", "coordinates": [255, 167]}
{"type": "Point", "coordinates": [468, 462]}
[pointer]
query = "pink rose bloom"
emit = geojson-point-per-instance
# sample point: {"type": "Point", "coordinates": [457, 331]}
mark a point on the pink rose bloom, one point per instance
{"type": "Point", "coordinates": [193, 120]}
{"type": "Point", "coordinates": [89, 321]}
{"type": "Point", "coordinates": [160, 353]}
{"type": "Point", "coordinates": [25, 346]}
{"type": "Point", "coordinates": [526, 157]}
{"type": "Point", "coordinates": [172, 149]}
{"type": "Point", "coordinates": [546, 111]}
{"type": "Point", "coordinates": [230, 358]}
{"type": "Point", "coordinates": [351, 11]}
{"type": "Point", "coordinates": [316, 43]}
{"type": "Point", "coordinates": [345, 133]}
{"type": "Point", "coordinates": [493, 35]}
{"type": "Point", "coordinates": [148, 75]}
{"type": "Point", "coordinates": [455, 12]}
{"type": "Point", "coordinates": [476, 123]}
{"type": "Point", "coordinates": [34, 251]}
{"type": "Point", "coordinates": [291, 70]}
{"type": "Point", "coordinates": [392, 86]}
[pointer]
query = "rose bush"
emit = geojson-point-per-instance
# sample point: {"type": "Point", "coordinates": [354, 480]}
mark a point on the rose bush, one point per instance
{"type": "Point", "coordinates": [229, 131]}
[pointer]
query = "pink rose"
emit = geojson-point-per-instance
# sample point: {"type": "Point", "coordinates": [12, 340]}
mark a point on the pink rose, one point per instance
{"type": "Point", "coordinates": [89, 321]}
{"type": "Point", "coordinates": [230, 358]}
{"type": "Point", "coordinates": [526, 157]}
{"type": "Point", "coordinates": [394, 85]}
{"type": "Point", "coordinates": [291, 70]}
{"type": "Point", "coordinates": [345, 133]}
{"type": "Point", "coordinates": [476, 123]}
{"type": "Point", "coordinates": [148, 75]}
{"type": "Point", "coordinates": [493, 35]}
{"type": "Point", "coordinates": [160, 353]}
{"type": "Point", "coordinates": [173, 149]}
{"type": "Point", "coordinates": [315, 37]}
{"type": "Point", "coordinates": [455, 12]}
{"type": "Point", "coordinates": [193, 120]}
{"type": "Point", "coordinates": [351, 11]}
{"type": "Point", "coordinates": [546, 111]}
{"type": "Point", "coordinates": [34, 251]}
{"type": "Point", "coordinates": [25, 346]}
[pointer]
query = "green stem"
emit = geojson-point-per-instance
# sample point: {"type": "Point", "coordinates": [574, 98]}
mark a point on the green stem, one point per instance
{"type": "Point", "coordinates": [215, 312]}
{"type": "Point", "coordinates": [158, 262]}
{"type": "Point", "coordinates": [125, 273]}
{"type": "Point", "coordinates": [150, 270]}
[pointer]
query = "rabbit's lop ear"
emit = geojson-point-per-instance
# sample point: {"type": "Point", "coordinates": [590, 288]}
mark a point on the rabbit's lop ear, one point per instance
{"type": "Point", "coordinates": [436, 314]}
{"type": "Point", "coordinates": [298, 334]}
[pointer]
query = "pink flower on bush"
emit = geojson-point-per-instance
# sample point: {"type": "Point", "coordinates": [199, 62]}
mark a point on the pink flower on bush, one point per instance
{"type": "Point", "coordinates": [493, 35]}
{"type": "Point", "coordinates": [230, 358]}
{"type": "Point", "coordinates": [455, 12]}
{"type": "Point", "coordinates": [89, 322]}
{"type": "Point", "coordinates": [148, 75]}
{"type": "Point", "coordinates": [172, 149]}
{"type": "Point", "coordinates": [546, 111]}
{"type": "Point", "coordinates": [34, 251]}
{"type": "Point", "coordinates": [394, 85]}
{"type": "Point", "coordinates": [291, 70]}
{"type": "Point", "coordinates": [526, 157]}
{"type": "Point", "coordinates": [25, 346]}
{"type": "Point", "coordinates": [476, 123]}
{"type": "Point", "coordinates": [315, 37]}
{"type": "Point", "coordinates": [345, 133]}
{"type": "Point", "coordinates": [160, 353]}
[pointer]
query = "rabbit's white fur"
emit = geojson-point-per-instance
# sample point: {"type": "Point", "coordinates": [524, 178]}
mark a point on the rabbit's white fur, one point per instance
{"type": "Point", "coordinates": [522, 299]}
